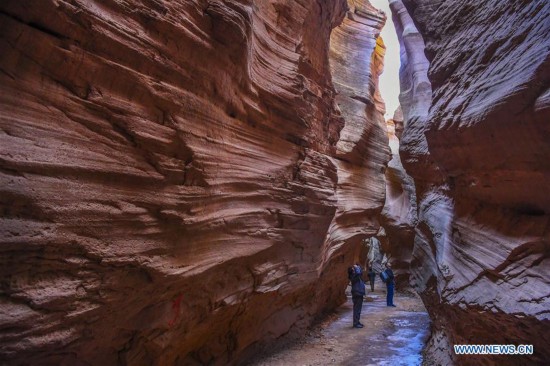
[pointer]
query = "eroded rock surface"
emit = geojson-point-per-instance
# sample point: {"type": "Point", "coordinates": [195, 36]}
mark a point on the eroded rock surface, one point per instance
{"type": "Point", "coordinates": [178, 184]}
{"type": "Point", "coordinates": [399, 216]}
{"type": "Point", "coordinates": [478, 152]}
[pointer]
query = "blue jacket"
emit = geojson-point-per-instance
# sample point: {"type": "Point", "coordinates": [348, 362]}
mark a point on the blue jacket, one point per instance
{"type": "Point", "coordinates": [357, 283]}
{"type": "Point", "coordinates": [391, 278]}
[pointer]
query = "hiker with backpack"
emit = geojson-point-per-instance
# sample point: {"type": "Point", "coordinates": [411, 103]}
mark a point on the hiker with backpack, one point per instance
{"type": "Point", "coordinates": [389, 279]}
{"type": "Point", "coordinates": [355, 275]}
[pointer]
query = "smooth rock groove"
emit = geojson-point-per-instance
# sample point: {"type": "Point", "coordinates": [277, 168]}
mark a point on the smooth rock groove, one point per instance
{"type": "Point", "coordinates": [475, 83]}
{"type": "Point", "coordinates": [399, 216]}
{"type": "Point", "coordinates": [182, 182]}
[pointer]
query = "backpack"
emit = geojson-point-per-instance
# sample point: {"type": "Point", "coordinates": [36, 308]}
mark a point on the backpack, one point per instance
{"type": "Point", "coordinates": [351, 272]}
{"type": "Point", "coordinates": [384, 276]}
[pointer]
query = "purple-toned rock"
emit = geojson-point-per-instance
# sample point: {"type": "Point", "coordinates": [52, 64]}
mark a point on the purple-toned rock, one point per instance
{"type": "Point", "coordinates": [478, 153]}
{"type": "Point", "coordinates": [399, 216]}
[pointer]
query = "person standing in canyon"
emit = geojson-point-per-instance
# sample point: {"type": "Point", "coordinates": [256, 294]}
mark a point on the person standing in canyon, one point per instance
{"type": "Point", "coordinates": [372, 277]}
{"type": "Point", "coordinates": [390, 284]}
{"type": "Point", "coordinates": [355, 275]}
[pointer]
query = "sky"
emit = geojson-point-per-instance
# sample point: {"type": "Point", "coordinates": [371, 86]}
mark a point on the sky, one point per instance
{"type": "Point", "coordinates": [389, 80]}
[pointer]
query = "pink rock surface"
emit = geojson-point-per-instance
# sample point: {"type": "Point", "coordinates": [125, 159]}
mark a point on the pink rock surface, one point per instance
{"type": "Point", "coordinates": [178, 184]}
{"type": "Point", "coordinates": [478, 152]}
{"type": "Point", "coordinates": [399, 216]}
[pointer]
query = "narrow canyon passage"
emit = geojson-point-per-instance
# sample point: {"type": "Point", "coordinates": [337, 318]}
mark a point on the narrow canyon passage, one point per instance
{"type": "Point", "coordinates": [187, 182]}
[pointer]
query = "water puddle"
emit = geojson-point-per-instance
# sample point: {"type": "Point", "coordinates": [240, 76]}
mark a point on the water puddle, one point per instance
{"type": "Point", "coordinates": [403, 341]}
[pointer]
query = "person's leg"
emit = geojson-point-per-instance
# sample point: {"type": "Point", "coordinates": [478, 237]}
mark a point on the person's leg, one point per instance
{"type": "Point", "coordinates": [360, 306]}
{"type": "Point", "coordinates": [355, 310]}
{"type": "Point", "coordinates": [388, 303]}
{"type": "Point", "coordinates": [357, 305]}
{"type": "Point", "coordinates": [390, 294]}
{"type": "Point", "coordinates": [372, 286]}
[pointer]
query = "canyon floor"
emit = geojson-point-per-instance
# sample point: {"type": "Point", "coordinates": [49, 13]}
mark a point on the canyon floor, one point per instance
{"type": "Point", "coordinates": [392, 336]}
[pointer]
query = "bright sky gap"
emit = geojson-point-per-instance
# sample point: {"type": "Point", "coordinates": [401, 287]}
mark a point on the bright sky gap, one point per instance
{"type": "Point", "coordinates": [389, 80]}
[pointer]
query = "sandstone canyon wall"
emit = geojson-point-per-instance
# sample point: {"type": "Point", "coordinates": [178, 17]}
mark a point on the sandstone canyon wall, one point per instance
{"type": "Point", "coordinates": [399, 216]}
{"type": "Point", "coordinates": [475, 86]}
{"type": "Point", "coordinates": [182, 182]}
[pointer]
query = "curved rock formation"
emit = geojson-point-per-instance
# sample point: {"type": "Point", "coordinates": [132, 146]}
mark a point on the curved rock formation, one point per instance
{"type": "Point", "coordinates": [478, 152]}
{"type": "Point", "coordinates": [178, 184]}
{"type": "Point", "coordinates": [356, 59]}
{"type": "Point", "coordinates": [399, 216]}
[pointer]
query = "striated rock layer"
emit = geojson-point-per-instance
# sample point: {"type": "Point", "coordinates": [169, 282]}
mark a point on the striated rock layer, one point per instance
{"type": "Point", "coordinates": [476, 141]}
{"type": "Point", "coordinates": [362, 151]}
{"type": "Point", "coordinates": [399, 216]}
{"type": "Point", "coordinates": [181, 182]}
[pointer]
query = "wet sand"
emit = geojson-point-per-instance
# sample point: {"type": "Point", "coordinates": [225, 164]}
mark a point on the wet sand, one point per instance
{"type": "Point", "coordinates": [391, 336]}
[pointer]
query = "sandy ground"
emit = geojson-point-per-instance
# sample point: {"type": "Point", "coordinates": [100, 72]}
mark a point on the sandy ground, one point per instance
{"type": "Point", "coordinates": [392, 336]}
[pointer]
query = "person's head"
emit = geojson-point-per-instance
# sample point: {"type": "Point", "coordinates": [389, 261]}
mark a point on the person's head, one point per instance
{"type": "Point", "coordinates": [388, 265]}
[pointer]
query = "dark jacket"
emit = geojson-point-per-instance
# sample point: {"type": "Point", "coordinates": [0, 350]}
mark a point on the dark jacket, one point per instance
{"type": "Point", "coordinates": [391, 278]}
{"type": "Point", "coordinates": [357, 283]}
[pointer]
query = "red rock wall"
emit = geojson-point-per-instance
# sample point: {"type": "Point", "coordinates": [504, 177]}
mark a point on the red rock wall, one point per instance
{"type": "Point", "coordinates": [177, 182]}
{"type": "Point", "coordinates": [478, 152]}
{"type": "Point", "coordinates": [356, 60]}
{"type": "Point", "coordinates": [399, 216]}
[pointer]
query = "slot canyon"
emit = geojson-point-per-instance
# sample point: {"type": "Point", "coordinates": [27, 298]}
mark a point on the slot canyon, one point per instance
{"type": "Point", "coordinates": [187, 182]}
